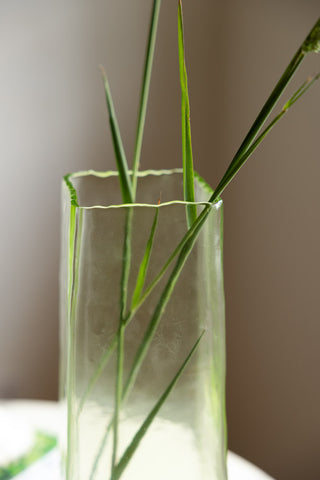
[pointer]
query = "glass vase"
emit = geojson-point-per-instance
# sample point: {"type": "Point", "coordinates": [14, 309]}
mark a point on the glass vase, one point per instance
{"type": "Point", "coordinates": [121, 360]}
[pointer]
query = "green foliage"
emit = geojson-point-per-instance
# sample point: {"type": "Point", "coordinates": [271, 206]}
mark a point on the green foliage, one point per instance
{"type": "Point", "coordinates": [145, 90]}
{"type": "Point", "coordinates": [187, 157]}
{"type": "Point", "coordinates": [120, 156]}
{"type": "Point", "coordinates": [144, 265]}
{"type": "Point", "coordinates": [128, 184]}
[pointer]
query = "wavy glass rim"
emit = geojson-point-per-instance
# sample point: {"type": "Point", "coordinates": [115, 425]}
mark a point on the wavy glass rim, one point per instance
{"type": "Point", "coordinates": [67, 179]}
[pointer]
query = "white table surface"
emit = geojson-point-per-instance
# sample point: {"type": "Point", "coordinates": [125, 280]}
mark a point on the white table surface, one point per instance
{"type": "Point", "coordinates": [25, 415]}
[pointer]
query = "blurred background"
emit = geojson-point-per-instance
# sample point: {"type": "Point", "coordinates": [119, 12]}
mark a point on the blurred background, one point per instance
{"type": "Point", "coordinates": [53, 121]}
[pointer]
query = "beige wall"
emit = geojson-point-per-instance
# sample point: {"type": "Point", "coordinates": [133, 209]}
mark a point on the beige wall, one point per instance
{"type": "Point", "coordinates": [52, 120]}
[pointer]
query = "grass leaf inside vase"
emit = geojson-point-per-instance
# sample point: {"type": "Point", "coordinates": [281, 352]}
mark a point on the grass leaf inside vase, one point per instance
{"type": "Point", "coordinates": [127, 455]}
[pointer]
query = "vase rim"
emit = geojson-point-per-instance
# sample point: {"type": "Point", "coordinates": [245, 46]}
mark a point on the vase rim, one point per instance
{"type": "Point", "coordinates": [67, 180]}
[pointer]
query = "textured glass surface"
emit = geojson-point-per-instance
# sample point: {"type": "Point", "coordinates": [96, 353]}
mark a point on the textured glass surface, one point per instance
{"type": "Point", "coordinates": [187, 439]}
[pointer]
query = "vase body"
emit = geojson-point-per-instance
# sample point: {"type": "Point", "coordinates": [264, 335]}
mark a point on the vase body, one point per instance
{"type": "Point", "coordinates": [187, 438]}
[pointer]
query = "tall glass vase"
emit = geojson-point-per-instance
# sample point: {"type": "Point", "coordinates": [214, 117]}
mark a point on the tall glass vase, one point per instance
{"type": "Point", "coordinates": [142, 361]}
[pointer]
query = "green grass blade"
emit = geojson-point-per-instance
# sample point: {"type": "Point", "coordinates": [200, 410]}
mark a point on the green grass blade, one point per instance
{"type": "Point", "coordinates": [118, 395]}
{"type": "Point", "coordinates": [128, 192]}
{"type": "Point", "coordinates": [122, 166]}
{"type": "Point", "coordinates": [268, 107]}
{"type": "Point", "coordinates": [292, 100]}
{"type": "Point", "coordinates": [310, 44]}
{"type": "Point", "coordinates": [144, 264]}
{"type": "Point", "coordinates": [145, 91]}
{"type": "Point", "coordinates": [102, 446]}
{"type": "Point", "coordinates": [126, 263]}
{"type": "Point", "coordinates": [70, 329]}
{"type": "Point", "coordinates": [101, 366]}
{"type": "Point", "coordinates": [126, 457]}
{"type": "Point", "coordinates": [231, 172]}
{"type": "Point", "coordinates": [195, 227]}
{"type": "Point", "coordinates": [301, 91]}
{"type": "Point", "coordinates": [187, 157]}
{"type": "Point", "coordinates": [160, 308]}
